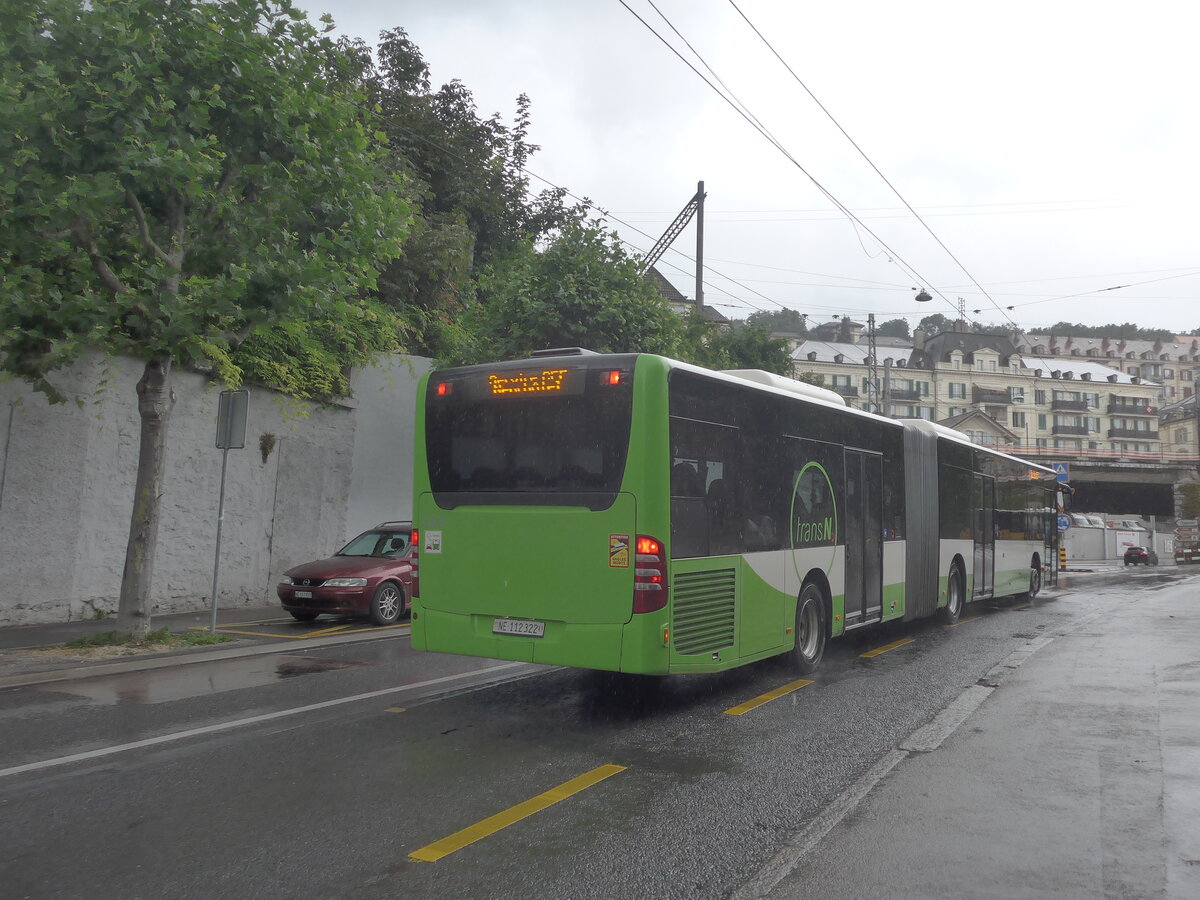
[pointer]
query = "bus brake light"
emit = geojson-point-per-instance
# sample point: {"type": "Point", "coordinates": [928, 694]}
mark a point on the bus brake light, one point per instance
{"type": "Point", "coordinates": [443, 388]}
{"type": "Point", "coordinates": [612, 377]}
{"type": "Point", "coordinates": [413, 549]}
{"type": "Point", "coordinates": [649, 575]}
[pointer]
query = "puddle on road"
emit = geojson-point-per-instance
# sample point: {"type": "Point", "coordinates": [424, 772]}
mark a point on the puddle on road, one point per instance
{"type": "Point", "coordinates": [196, 680]}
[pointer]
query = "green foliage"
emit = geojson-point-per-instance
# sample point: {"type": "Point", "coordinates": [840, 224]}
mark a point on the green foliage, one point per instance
{"type": "Point", "coordinates": [897, 328]}
{"type": "Point", "coordinates": [780, 321]}
{"type": "Point", "coordinates": [472, 194]}
{"type": "Point", "coordinates": [176, 175]}
{"type": "Point", "coordinates": [814, 378]}
{"type": "Point", "coordinates": [936, 324]}
{"type": "Point", "coordinates": [1129, 331]}
{"type": "Point", "coordinates": [748, 347]}
{"type": "Point", "coordinates": [159, 638]}
{"type": "Point", "coordinates": [580, 290]}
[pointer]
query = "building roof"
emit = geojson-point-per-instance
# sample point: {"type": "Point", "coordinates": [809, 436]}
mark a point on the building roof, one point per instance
{"type": "Point", "coordinates": [1185, 348]}
{"type": "Point", "coordinates": [938, 348]}
{"type": "Point", "coordinates": [855, 354]}
{"type": "Point", "coordinates": [973, 416]}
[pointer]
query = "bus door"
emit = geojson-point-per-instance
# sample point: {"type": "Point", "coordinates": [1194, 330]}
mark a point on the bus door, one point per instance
{"type": "Point", "coordinates": [985, 534]}
{"type": "Point", "coordinates": [864, 538]}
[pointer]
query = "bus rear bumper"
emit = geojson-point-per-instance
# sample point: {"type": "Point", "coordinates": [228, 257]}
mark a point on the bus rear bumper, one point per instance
{"type": "Point", "coordinates": [594, 646]}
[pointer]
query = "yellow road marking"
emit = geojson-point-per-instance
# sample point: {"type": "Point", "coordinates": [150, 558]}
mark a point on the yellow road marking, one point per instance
{"type": "Point", "coordinates": [1022, 606]}
{"type": "Point", "coordinates": [767, 697]}
{"type": "Point", "coordinates": [396, 709]}
{"type": "Point", "coordinates": [964, 621]}
{"type": "Point", "coordinates": [472, 833]}
{"type": "Point", "coordinates": [257, 622]}
{"type": "Point", "coordinates": [885, 648]}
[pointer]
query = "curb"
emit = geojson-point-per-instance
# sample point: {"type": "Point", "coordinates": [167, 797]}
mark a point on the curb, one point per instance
{"type": "Point", "coordinates": [182, 657]}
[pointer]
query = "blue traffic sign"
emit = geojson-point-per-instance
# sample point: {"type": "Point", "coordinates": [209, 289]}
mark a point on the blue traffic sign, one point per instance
{"type": "Point", "coordinates": [1061, 472]}
{"type": "Point", "coordinates": [1064, 522]}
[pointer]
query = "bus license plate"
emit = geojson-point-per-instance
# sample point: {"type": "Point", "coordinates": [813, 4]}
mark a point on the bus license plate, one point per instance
{"type": "Point", "coordinates": [303, 595]}
{"type": "Point", "coordinates": [523, 627]}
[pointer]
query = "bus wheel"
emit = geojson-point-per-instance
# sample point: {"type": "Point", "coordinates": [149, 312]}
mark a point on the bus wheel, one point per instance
{"type": "Point", "coordinates": [1035, 580]}
{"type": "Point", "coordinates": [810, 630]}
{"type": "Point", "coordinates": [955, 593]}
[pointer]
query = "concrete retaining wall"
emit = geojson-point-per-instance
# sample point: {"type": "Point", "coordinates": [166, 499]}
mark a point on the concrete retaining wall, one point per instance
{"type": "Point", "coordinates": [67, 473]}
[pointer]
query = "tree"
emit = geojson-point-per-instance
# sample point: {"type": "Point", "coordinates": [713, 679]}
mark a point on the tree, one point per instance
{"type": "Point", "coordinates": [748, 347]}
{"type": "Point", "coordinates": [780, 321]}
{"type": "Point", "coordinates": [581, 290]}
{"type": "Point", "coordinates": [177, 175]}
{"type": "Point", "coordinates": [897, 328]}
{"type": "Point", "coordinates": [470, 186]}
{"type": "Point", "coordinates": [936, 324]}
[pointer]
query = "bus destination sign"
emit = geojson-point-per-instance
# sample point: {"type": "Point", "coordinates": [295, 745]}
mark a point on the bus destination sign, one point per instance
{"type": "Point", "coordinates": [547, 381]}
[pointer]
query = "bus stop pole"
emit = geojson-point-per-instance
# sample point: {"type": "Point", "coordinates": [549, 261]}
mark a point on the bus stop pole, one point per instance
{"type": "Point", "coordinates": [217, 556]}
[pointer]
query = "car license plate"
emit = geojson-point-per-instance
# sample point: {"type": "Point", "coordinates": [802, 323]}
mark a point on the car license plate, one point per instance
{"type": "Point", "coordinates": [523, 627]}
{"type": "Point", "coordinates": [303, 595]}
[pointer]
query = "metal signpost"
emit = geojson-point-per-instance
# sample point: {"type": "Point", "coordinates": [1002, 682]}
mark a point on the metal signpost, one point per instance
{"type": "Point", "coordinates": [232, 411]}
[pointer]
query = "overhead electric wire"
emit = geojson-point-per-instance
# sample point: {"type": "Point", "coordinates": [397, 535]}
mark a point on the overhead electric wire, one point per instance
{"type": "Point", "coordinates": [737, 107]}
{"type": "Point", "coordinates": [863, 154]}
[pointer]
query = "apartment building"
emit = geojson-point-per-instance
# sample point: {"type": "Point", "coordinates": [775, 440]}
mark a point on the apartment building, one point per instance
{"type": "Point", "coordinates": [1174, 366]}
{"type": "Point", "coordinates": [1074, 407]}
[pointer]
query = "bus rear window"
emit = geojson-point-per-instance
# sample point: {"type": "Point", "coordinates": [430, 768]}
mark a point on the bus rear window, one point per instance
{"type": "Point", "coordinates": [527, 437]}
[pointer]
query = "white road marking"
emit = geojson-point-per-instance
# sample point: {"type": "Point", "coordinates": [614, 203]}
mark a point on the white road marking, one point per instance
{"type": "Point", "coordinates": [238, 723]}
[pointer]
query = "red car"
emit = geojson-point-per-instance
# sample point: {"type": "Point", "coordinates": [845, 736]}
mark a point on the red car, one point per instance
{"type": "Point", "coordinates": [372, 576]}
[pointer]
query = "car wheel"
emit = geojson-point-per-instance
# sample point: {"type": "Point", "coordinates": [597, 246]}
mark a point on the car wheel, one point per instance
{"type": "Point", "coordinates": [387, 604]}
{"type": "Point", "coordinates": [955, 596]}
{"type": "Point", "coordinates": [303, 616]}
{"type": "Point", "coordinates": [810, 631]}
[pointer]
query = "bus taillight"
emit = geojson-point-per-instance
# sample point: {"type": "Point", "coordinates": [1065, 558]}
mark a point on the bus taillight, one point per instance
{"type": "Point", "coordinates": [416, 582]}
{"type": "Point", "coordinates": [649, 575]}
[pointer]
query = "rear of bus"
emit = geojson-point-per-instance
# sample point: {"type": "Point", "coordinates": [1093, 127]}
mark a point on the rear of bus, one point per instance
{"type": "Point", "coordinates": [542, 512]}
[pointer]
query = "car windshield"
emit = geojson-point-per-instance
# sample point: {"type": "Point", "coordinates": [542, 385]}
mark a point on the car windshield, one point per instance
{"type": "Point", "coordinates": [377, 543]}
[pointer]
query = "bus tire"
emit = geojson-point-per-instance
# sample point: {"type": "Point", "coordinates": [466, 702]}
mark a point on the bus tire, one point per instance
{"type": "Point", "coordinates": [811, 630]}
{"type": "Point", "coordinates": [1035, 579]}
{"type": "Point", "coordinates": [956, 590]}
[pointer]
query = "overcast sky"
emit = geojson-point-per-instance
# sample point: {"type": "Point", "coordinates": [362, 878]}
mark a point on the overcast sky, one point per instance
{"type": "Point", "coordinates": [1050, 148]}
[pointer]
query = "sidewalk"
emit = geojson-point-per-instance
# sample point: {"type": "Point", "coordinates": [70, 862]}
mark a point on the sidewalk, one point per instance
{"type": "Point", "coordinates": [1071, 771]}
{"type": "Point", "coordinates": [19, 666]}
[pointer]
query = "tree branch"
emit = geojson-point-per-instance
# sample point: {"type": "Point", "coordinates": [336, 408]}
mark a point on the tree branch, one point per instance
{"type": "Point", "coordinates": [143, 227]}
{"type": "Point", "coordinates": [88, 244]}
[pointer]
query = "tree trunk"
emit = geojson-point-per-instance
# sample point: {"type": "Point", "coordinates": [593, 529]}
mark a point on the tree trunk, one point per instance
{"type": "Point", "coordinates": [155, 400]}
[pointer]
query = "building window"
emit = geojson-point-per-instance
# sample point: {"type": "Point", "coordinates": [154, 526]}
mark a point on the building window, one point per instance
{"type": "Point", "coordinates": [1041, 443]}
{"type": "Point", "coordinates": [957, 391]}
{"type": "Point", "coordinates": [1039, 397]}
{"type": "Point", "coordinates": [1041, 420]}
{"type": "Point", "coordinates": [1016, 395]}
{"type": "Point", "coordinates": [1018, 420]}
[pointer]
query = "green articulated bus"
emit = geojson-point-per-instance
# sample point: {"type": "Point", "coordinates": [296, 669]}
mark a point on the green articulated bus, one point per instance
{"type": "Point", "coordinates": [637, 514]}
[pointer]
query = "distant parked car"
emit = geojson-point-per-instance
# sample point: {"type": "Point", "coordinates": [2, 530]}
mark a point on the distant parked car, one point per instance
{"type": "Point", "coordinates": [372, 576]}
{"type": "Point", "coordinates": [1140, 556]}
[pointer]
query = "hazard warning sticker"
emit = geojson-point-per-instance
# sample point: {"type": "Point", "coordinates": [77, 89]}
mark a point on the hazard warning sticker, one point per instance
{"type": "Point", "coordinates": [618, 551]}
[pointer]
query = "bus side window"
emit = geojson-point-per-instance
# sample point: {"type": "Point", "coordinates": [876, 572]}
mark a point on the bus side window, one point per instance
{"type": "Point", "coordinates": [685, 481]}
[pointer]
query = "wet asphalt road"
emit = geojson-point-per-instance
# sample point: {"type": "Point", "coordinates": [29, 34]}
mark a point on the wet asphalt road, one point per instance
{"type": "Point", "coordinates": [317, 773]}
